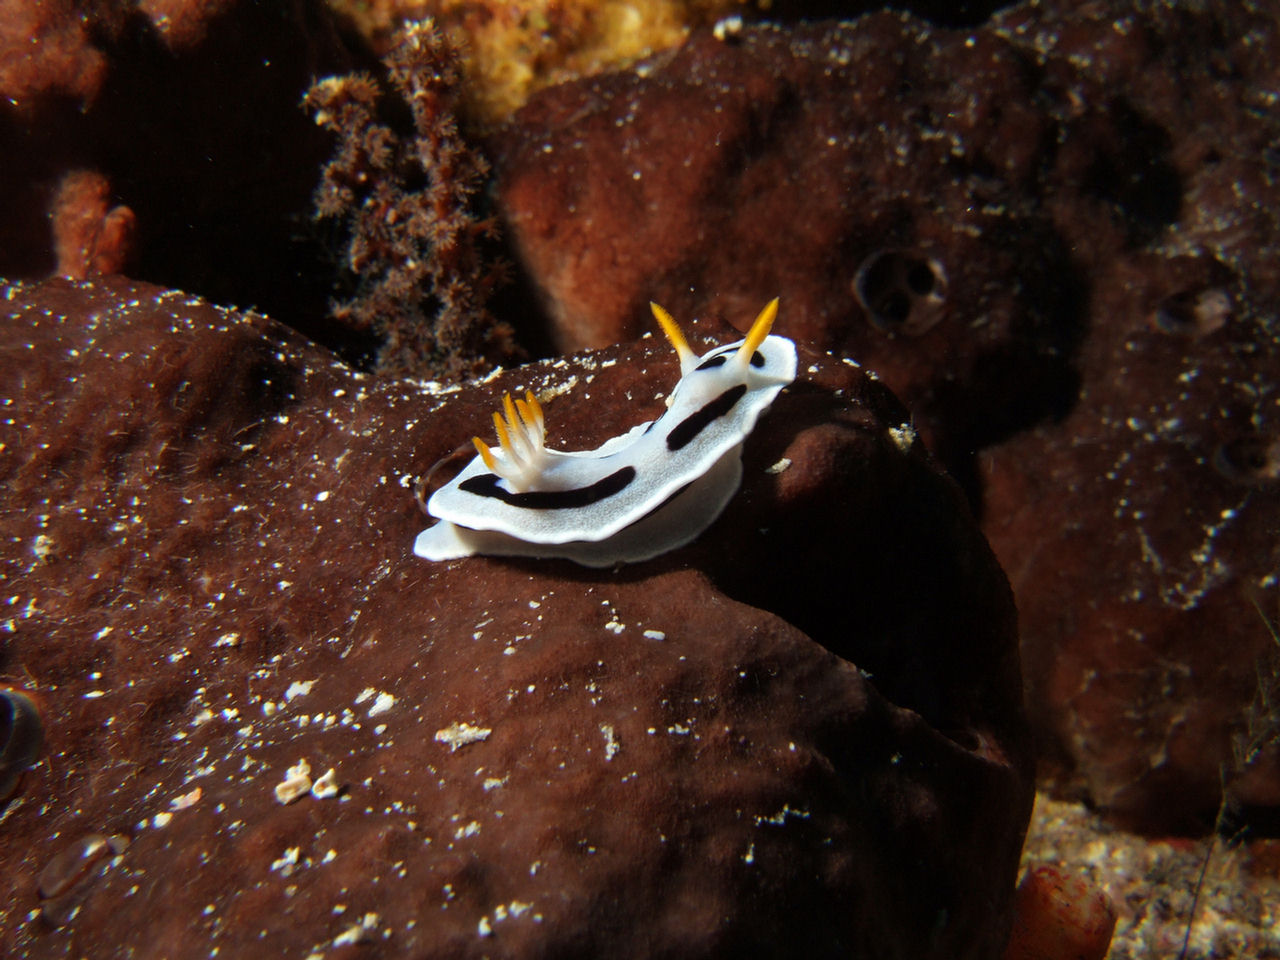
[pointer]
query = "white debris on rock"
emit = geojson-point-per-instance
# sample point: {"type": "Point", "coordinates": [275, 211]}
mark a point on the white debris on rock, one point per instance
{"type": "Point", "coordinates": [458, 735]}
{"type": "Point", "coordinates": [297, 781]}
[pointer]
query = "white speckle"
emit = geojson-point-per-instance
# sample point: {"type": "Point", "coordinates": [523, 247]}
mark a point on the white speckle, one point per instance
{"type": "Point", "coordinates": [322, 496]}
{"type": "Point", "coordinates": [365, 694]}
{"type": "Point", "coordinates": [654, 635]}
{"type": "Point", "coordinates": [727, 27]}
{"type": "Point", "coordinates": [469, 830]}
{"type": "Point", "coordinates": [484, 928]}
{"type": "Point", "coordinates": [161, 819]}
{"type": "Point", "coordinates": [614, 626]}
{"type": "Point", "coordinates": [361, 932]}
{"type": "Point", "coordinates": [42, 546]}
{"type": "Point", "coordinates": [297, 781]}
{"type": "Point", "coordinates": [384, 703]}
{"type": "Point", "coordinates": [458, 735]}
{"type": "Point", "coordinates": [299, 688]}
{"type": "Point", "coordinates": [611, 744]}
{"type": "Point", "coordinates": [186, 800]}
{"type": "Point", "coordinates": [779, 818]}
{"type": "Point", "coordinates": [287, 862]}
{"type": "Point", "coordinates": [779, 467]}
{"type": "Point", "coordinates": [903, 436]}
{"type": "Point", "coordinates": [231, 639]}
{"type": "Point", "coordinates": [326, 786]}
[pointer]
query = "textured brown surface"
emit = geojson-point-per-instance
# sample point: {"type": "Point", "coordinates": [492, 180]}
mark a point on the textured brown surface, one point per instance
{"type": "Point", "coordinates": [208, 580]}
{"type": "Point", "coordinates": [1144, 502]}
{"type": "Point", "coordinates": [779, 160]}
{"type": "Point", "coordinates": [1086, 198]}
{"type": "Point", "coordinates": [1142, 532]}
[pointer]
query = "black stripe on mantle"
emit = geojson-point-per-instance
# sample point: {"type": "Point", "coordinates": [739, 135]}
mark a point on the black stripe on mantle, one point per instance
{"type": "Point", "coordinates": [687, 429]}
{"type": "Point", "coordinates": [486, 485]}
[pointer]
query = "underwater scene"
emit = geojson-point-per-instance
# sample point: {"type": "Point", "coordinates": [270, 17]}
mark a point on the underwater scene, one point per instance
{"type": "Point", "coordinates": [640, 479]}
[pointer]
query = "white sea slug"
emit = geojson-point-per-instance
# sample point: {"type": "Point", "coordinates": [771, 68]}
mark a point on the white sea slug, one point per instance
{"type": "Point", "coordinates": [653, 489]}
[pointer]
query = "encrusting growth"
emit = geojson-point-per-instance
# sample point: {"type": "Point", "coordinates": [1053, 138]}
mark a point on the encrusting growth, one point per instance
{"type": "Point", "coordinates": [414, 247]}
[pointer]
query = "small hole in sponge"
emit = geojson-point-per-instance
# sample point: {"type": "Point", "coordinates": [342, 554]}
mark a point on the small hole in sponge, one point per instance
{"type": "Point", "coordinates": [1252, 459]}
{"type": "Point", "coordinates": [1193, 313]}
{"type": "Point", "coordinates": [902, 291]}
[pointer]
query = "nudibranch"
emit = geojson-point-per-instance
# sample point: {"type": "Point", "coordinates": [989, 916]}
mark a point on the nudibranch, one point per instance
{"type": "Point", "coordinates": [653, 489]}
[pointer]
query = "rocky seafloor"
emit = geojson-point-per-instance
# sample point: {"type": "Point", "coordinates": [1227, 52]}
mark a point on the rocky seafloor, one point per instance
{"type": "Point", "coordinates": [1209, 898]}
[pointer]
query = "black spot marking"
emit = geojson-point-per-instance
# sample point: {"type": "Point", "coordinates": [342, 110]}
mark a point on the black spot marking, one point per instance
{"type": "Point", "coordinates": [695, 423]}
{"type": "Point", "coordinates": [718, 361]}
{"type": "Point", "coordinates": [486, 485]}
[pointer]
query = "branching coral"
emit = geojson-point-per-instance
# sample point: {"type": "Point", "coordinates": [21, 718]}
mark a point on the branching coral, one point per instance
{"type": "Point", "coordinates": [415, 247]}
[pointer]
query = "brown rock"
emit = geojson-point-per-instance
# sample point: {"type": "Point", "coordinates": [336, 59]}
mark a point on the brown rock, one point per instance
{"type": "Point", "coordinates": [208, 579]}
{"type": "Point", "coordinates": [1139, 531]}
{"type": "Point", "coordinates": [1062, 212]}
{"type": "Point", "coordinates": [789, 161]}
